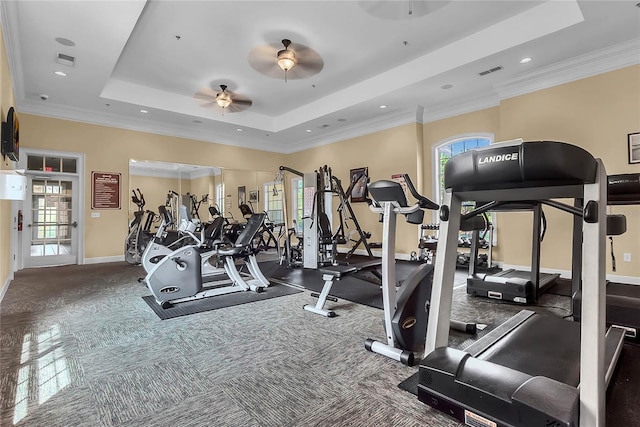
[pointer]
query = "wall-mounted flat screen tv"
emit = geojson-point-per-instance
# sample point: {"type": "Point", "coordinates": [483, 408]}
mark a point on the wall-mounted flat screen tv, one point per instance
{"type": "Point", "coordinates": [11, 136]}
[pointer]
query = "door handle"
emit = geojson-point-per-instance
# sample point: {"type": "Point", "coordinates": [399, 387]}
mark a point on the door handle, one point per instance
{"type": "Point", "coordinates": [29, 225]}
{"type": "Point", "coordinates": [74, 224]}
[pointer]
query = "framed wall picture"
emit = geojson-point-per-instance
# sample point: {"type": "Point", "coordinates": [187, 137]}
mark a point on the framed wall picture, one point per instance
{"type": "Point", "coordinates": [242, 195]}
{"type": "Point", "coordinates": [253, 196]}
{"type": "Point", "coordinates": [359, 180]}
{"type": "Point", "coordinates": [634, 147]}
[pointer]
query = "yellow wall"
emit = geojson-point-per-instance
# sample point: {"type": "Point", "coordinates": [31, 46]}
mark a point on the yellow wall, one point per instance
{"type": "Point", "coordinates": [6, 101]}
{"type": "Point", "coordinates": [109, 149]}
{"type": "Point", "coordinates": [154, 189]}
{"type": "Point", "coordinates": [595, 113]}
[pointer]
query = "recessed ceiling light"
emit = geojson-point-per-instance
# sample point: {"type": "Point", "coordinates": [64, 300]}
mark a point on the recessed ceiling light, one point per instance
{"type": "Point", "coordinates": [239, 130]}
{"type": "Point", "coordinates": [144, 111]}
{"type": "Point", "coordinates": [447, 86]}
{"type": "Point", "coordinates": [197, 121]}
{"type": "Point", "coordinates": [342, 120]}
{"type": "Point", "coordinates": [383, 106]}
{"type": "Point", "coordinates": [308, 130]}
{"type": "Point", "coordinates": [60, 73]}
{"type": "Point", "coordinates": [526, 60]}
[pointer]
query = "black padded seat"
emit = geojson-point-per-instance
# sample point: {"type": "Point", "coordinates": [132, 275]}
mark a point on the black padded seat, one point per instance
{"type": "Point", "coordinates": [245, 210]}
{"type": "Point", "coordinates": [242, 246]}
{"type": "Point", "coordinates": [213, 230]}
{"type": "Point", "coordinates": [339, 271]}
{"type": "Point", "coordinates": [528, 164]}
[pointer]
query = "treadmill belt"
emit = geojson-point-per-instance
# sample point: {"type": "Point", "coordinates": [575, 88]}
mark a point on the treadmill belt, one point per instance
{"type": "Point", "coordinates": [541, 346]}
{"type": "Point", "coordinates": [545, 278]}
{"type": "Point", "coordinates": [623, 290]}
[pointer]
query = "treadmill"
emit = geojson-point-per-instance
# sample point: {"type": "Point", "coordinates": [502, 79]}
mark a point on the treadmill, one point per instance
{"type": "Point", "coordinates": [512, 285]}
{"type": "Point", "coordinates": [623, 300]}
{"type": "Point", "coordinates": [534, 369]}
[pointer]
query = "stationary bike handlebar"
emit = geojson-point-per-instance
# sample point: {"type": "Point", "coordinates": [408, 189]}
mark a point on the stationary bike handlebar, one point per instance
{"type": "Point", "coordinates": [423, 201]}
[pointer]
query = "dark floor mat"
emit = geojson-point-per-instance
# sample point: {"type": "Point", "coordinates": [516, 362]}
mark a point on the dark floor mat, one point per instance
{"type": "Point", "coordinates": [213, 303]}
{"type": "Point", "coordinates": [411, 384]}
{"type": "Point", "coordinates": [622, 395]}
{"type": "Point", "coordinates": [561, 287]}
{"type": "Point", "coordinates": [349, 288]}
{"type": "Point", "coordinates": [624, 388]}
{"type": "Point", "coordinates": [362, 289]}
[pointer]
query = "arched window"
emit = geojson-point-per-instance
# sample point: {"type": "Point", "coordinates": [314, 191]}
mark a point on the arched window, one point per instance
{"type": "Point", "coordinates": [448, 148]}
{"type": "Point", "coordinates": [445, 150]}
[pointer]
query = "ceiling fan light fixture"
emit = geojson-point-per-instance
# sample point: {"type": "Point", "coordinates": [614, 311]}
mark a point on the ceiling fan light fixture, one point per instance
{"type": "Point", "coordinates": [223, 99]}
{"type": "Point", "coordinates": [286, 59]}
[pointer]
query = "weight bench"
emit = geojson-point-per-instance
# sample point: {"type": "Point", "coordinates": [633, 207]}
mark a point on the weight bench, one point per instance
{"type": "Point", "coordinates": [331, 274]}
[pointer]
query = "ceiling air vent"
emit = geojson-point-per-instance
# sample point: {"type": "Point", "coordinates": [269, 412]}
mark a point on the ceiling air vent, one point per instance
{"type": "Point", "coordinates": [491, 70]}
{"type": "Point", "coordinates": [63, 59]}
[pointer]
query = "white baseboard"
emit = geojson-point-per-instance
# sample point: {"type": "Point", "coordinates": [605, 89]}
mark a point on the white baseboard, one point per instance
{"type": "Point", "coordinates": [100, 260]}
{"type": "Point", "coordinates": [5, 286]}
{"type": "Point", "coordinates": [567, 274]}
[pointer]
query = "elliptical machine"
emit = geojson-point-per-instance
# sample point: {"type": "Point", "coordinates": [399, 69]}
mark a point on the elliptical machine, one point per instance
{"type": "Point", "coordinates": [139, 233]}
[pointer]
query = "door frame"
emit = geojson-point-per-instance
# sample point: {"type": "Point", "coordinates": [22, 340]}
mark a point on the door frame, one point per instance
{"type": "Point", "coordinates": [80, 166]}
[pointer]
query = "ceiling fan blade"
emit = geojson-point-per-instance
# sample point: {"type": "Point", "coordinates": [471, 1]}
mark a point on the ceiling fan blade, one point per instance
{"type": "Point", "coordinates": [211, 104]}
{"type": "Point", "coordinates": [263, 60]}
{"type": "Point", "coordinates": [205, 95]}
{"type": "Point", "coordinates": [246, 102]}
{"type": "Point", "coordinates": [236, 107]}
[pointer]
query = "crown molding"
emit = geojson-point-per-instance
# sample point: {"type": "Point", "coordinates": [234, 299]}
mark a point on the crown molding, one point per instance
{"type": "Point", "coordinates": [9, 20]}
{"type": "Point", "coordinates": [598, 62]}
{"type": "Point", "coordinates": [580, 67]}
{"type": "Point", "coordinates": [399, 118]}
{"type": "Point", "coordinates": [148, 126]}
{"type": "Point", "coordinates": [453, 109]}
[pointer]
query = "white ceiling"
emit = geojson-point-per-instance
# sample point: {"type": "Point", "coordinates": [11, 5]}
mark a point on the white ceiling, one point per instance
{"type": "Point", "coordinates": [128, 58]}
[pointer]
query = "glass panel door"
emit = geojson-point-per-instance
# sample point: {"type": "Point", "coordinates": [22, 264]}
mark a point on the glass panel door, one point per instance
{"type": "Point", "coordinates": [50, 236]}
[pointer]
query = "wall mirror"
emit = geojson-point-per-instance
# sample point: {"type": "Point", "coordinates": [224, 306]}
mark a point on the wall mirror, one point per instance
{"type": "Point", "coordinates": [225, 188]}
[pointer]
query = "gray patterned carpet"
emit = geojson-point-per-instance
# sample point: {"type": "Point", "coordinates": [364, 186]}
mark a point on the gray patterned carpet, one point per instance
{"type": "Point", "coordinates": [79, 347]}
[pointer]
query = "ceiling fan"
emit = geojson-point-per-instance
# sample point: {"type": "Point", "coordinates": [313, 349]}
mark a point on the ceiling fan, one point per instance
{"type": "Point", "coordinates": [295, 60]}
{"type": "Point", "coordinates": [224, 100]}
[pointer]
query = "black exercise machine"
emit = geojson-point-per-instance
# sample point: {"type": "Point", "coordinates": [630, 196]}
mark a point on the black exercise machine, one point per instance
{"type": "Point", "coordinates": [623, 300]}
{"type": "Point", "coordinates": [406, 306]}
{"type": "Point", "coordinates": [533, 370]}
{"type": "Point", "coordinates": [512, 285]}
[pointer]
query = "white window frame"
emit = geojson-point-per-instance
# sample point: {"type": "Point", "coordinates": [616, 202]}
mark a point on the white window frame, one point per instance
{"type": "Point", "coordinates": [437, 170]}
{"type": "Point", "coordinates": [436, 158]}
{"type": "Point", "coordinates": [267, 189]}
{"type": "Point", "coordinates": [295, 208]}
{"type": "Point", "coordinates": [220, 197]}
